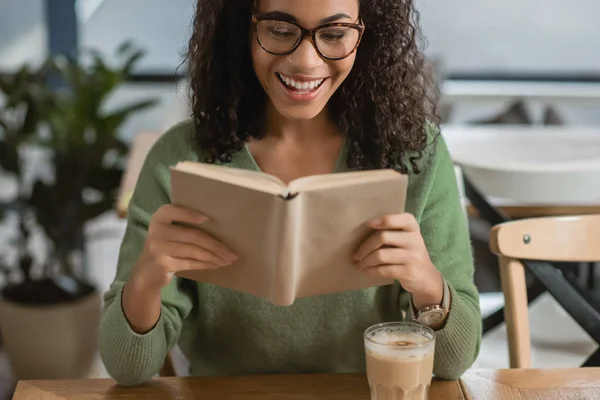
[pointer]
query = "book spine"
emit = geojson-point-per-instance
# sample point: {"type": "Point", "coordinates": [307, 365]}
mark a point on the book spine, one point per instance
{"type": "Point", "coordinates": [285, 283]}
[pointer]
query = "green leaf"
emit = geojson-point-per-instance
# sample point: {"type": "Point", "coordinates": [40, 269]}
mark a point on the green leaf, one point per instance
{"type": "Point", "coordinates": [33, 115]}
{"type": "Point", "coordinates": [47, 212]}
{"type": "Point", "coordinates": [116, 118]}
{"type": "Point", "coordinates": [4, 85]}
{"type": "Point", "coordinates": [41, 195]}
{"type": "Point", "coordinates": [15, 96]}
{"type": "Point", "coordinates": [122, 146]}
{"type": "Point", "coordinates": [124, 47]}
{"type": "Point", "coordinates": [9, 156]}
{"type": "Point", "coordinates": [91, 211]}
{"type": "Point", "coordinates": [105, 181]}
{"type": "Point", "coordinates": [98, 63]}
{"type": "Point", "coordinates": [130, 63]}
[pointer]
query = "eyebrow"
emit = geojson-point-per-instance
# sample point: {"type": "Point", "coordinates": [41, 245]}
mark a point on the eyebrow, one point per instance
{"type": "Point", "coordinates": [290, 18]}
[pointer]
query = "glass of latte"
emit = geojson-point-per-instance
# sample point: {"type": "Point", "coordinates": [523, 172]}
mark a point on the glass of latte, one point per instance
{"type": "Point", "coordinates": [399, 359]}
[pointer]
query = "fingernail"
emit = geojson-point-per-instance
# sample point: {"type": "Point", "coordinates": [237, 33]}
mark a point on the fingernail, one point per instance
{"type": "Point", "coordinates": [225, 263]}
{"type": "Point", "coordinates": [231, 256]}
{"type": "Point", "coordinates": [375, 222]}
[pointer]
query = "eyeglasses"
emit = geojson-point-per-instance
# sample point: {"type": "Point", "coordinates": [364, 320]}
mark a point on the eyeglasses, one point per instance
{"type": "Point", "coordinates": [333, 41]}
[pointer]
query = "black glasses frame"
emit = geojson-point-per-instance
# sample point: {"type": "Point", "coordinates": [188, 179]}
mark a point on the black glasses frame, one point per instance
{"type": "Point", "coordinates": [311, 33]}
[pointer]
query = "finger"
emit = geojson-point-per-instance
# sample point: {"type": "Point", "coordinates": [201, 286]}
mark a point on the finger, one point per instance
{"type": "Point", "coordinates": [384, 256]}
{"type": "Point", "coordinates": [198, 238]}
{"type": "Point", "coordinates": [183, 264]}
{"type": "Point", "coordinates": [169, 214]}
{"type": "Point", "coordinates": [385, 271]}
{"type": "Point", "coordinates": [381, 239]}
{"type": "Point", "coordinates": [196, 253]}
{"type": "Point", "coordinates": [406, 222]}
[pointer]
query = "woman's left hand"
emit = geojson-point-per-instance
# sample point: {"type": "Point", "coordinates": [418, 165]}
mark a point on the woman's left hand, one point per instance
{"type": "Point", "coordinates": [396, 250]}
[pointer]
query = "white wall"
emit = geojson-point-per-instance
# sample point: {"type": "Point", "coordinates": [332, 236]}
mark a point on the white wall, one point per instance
{"type": "Point", "coordinates": [22, 33]}
{"type": "Point", "coordinates": [471, 35]}
{"type": "Point", "coordinates": [514, 35]}
{"type": "Point", "coordinates": [161, 27]}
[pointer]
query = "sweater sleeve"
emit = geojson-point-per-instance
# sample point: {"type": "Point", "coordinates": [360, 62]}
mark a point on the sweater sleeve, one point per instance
{"type": "Point", "coordinates": [445, 230]}
{"type": "Point", "coordinates": [131, 358]}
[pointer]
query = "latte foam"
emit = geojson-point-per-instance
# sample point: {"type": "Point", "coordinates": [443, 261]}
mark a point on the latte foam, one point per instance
{"type": "Point", "coordinates": [400, 346]}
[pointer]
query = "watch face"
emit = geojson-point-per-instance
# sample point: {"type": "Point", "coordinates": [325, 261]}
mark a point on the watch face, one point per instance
{"type": "Point", "coordinates": [431, 317]}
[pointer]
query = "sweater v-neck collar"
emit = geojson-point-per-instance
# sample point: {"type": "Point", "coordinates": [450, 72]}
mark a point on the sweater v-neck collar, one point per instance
{"type": "Point", "coordinates": [244, 159]}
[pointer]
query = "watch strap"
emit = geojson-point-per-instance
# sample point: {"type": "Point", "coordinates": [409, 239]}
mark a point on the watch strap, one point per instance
{"type": "Point", "coordinates": [444, 306]}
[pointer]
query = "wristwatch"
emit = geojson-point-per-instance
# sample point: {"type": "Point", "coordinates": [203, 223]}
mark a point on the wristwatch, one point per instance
{"type": "Point", "coordinates": [434, 314]}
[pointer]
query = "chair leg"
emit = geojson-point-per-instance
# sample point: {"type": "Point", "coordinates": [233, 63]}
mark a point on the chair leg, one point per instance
{"type": "Point", "coordinates": [514, 286]}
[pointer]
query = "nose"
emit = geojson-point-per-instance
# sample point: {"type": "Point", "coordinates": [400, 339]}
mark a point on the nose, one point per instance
{"type": "Point", "coordinates": [305, 57]}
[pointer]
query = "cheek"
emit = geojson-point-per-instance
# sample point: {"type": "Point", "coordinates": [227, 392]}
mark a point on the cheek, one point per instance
{"type": "Point", "coordinates": [260, 61]}
{"type": "Point", "coordinates": [342, 68]}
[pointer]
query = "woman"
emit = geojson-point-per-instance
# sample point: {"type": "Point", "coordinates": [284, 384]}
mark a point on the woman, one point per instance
{"type": "Point", "coordinates": [295, 88]}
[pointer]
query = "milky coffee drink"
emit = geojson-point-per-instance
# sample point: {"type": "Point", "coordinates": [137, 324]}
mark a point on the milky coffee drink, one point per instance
{"type": "Point", "coordinates": [399, 360]}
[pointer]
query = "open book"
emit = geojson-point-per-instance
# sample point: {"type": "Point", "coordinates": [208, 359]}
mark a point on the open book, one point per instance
{"type": "Point", "coordinates": [294, 240]}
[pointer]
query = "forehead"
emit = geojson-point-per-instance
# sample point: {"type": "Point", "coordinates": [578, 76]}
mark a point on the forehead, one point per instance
{"type": "Point", "coordinates": [310, 12]}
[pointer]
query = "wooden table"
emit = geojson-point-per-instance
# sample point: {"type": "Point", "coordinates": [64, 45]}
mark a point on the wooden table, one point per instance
{"type": "Point", "coordinates": [475, 385]}
{"type": "Point", "coordinates": [538, 384]}
{"type": "Point", "coordinates": [551, 173]}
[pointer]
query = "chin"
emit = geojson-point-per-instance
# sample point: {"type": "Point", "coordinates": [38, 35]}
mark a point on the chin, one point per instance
{"type": "Point", "coordinates": [299, 113]}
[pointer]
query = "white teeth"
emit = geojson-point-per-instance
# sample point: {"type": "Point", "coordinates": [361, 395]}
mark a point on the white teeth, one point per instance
{"type": "Point", "coordinates": [304, 86]}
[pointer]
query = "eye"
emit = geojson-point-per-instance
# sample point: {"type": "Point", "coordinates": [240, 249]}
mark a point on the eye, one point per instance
{"type": "Point", "coordinates": [282, 31]}
{"type": "Point", "coordinates": [334, 35]}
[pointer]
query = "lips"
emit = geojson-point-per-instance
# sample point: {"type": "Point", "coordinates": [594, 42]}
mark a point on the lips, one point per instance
{"type": "Point", "coordinates": [300, 86]}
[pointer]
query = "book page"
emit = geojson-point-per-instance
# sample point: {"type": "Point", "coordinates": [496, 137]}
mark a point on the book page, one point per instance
{"type": "Point", "coordinates": [317, 182]}
{"type": "Point", "coordinates": [249, 222]}
{"type": "Point", "coordinates": [235, 176]}
{"type": "Point", "coordinates": [333, 225]}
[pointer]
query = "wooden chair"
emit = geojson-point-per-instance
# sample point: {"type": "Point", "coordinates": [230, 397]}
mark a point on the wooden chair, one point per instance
{"type": "Point", "coordinates": [552, 239]}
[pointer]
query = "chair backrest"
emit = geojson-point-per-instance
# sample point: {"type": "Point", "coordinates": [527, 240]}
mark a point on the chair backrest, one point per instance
{"type": "Point", "coordinates": [572, 239]}
{"type": "Point", "coordinates": [567, 238]}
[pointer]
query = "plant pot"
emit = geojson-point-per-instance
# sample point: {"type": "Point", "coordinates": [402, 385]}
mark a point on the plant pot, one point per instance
{"type": "Point", "coordinates": [56, 341]}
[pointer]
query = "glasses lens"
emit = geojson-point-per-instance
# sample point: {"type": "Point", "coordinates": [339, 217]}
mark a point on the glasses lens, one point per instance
{"type": "Point", "coordinates": [277, 36]}
{"type": "Point", "coordinates": [337, 41]}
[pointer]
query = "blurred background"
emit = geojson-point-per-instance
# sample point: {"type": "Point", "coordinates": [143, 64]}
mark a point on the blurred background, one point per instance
{"type": "Point", "coordinates": [68, 124]}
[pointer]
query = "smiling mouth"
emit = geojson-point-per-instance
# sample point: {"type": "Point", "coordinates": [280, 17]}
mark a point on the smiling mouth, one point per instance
{"type": "Point", "coordinates": [304, 87]}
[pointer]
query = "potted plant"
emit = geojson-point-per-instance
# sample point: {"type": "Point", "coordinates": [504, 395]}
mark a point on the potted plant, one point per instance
{"type": "Point", "coordinates": [49, 313]}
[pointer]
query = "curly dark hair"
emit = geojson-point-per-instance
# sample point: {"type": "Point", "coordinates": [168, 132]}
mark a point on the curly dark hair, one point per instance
{"type": "Point", "coordinates": [382, 107]}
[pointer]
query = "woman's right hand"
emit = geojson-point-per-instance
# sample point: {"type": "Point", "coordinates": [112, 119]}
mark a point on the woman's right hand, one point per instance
{"type": "Point", "coordinates": [171, 248]}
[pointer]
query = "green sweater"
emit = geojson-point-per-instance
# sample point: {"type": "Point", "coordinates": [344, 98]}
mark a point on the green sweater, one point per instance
{"type": "Point", "coordinates": [224, 332]}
